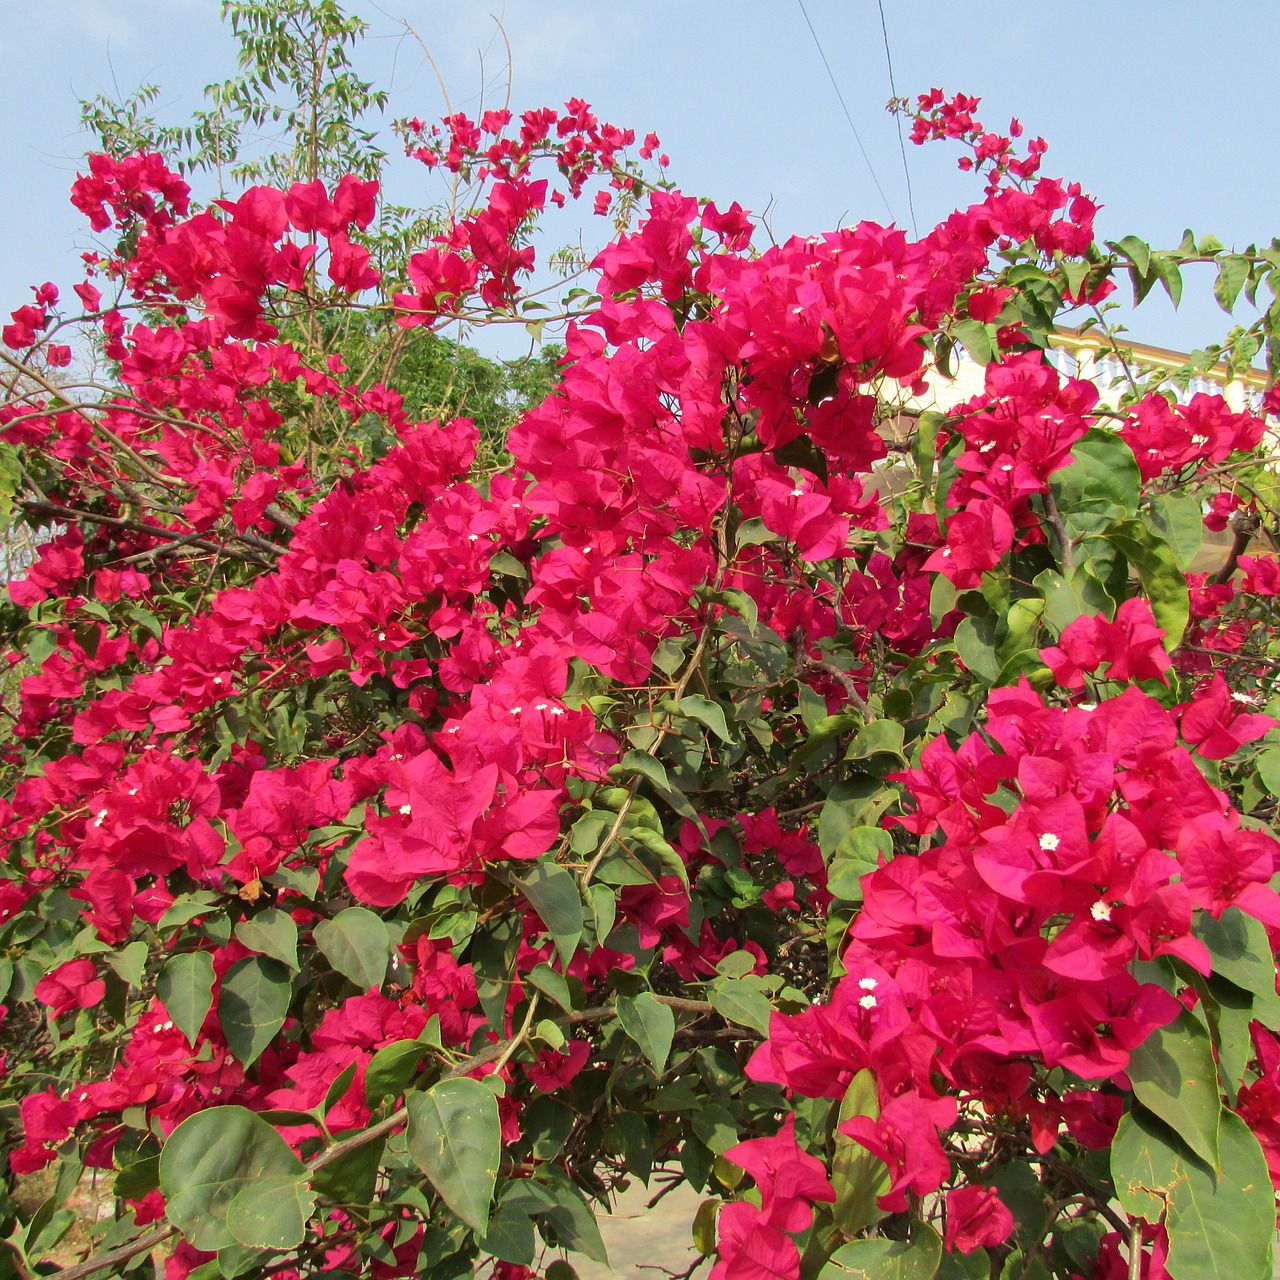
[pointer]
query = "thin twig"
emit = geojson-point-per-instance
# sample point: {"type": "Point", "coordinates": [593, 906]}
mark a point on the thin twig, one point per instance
{"type": "Point", "coordinates": [1065, 547]}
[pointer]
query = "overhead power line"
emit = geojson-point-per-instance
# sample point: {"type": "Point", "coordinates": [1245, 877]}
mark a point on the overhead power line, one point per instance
{"type": "Point", "coordinates": [902, 146]}
{"type": "Point", "coordinates": [840, 96]}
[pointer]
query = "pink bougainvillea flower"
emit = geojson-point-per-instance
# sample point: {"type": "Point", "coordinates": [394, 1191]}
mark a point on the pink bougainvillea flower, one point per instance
{"type": "Point", "coordinates": [751, 1249]}
{"type": "Point", "coordinates": [1217, 722]}
{"type": "Point", "coordinates": [905, 1137]}
{"type": "Point", "coordinates": [976, 1218]}
{"type": "Point", "coordinates": [790, 1179]}
{"type": "Point", "coordinates": [73, 985]}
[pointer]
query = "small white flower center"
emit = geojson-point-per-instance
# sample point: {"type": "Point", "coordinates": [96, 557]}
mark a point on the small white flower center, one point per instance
{"type": "Point", "coordinates": [1049, 842]}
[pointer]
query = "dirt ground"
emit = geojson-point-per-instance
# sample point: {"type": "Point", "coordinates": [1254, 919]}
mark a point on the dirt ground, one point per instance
{"type": "Point", "coordinates": [644, 1242]}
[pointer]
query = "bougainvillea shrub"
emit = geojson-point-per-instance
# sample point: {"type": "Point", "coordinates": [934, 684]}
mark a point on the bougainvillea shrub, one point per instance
{"type": "Point", "coordinates": [863, 815]}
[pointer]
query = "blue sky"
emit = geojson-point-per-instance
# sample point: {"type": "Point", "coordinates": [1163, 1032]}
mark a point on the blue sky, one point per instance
{"type": "Point", "coordinates": [1163, 111]}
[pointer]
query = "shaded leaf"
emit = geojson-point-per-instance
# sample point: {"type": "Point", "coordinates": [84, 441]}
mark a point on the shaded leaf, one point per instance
{"type": "Point", "coordinates": [880, 1259]}
{"type": "Point", "coordinates": [252, 1005]}
{"type": "Point", "coordinates": [455, 1138]}
{"type": "Point", "coordinates": [272, 1213]}
{"type": "Point", "coordinates": [741, 1001]}
{"type": "Point", "coordinates": [707, 713]}
{"type": "Point", "coordinates": [209, 1159]}
{"type": "Point", "coordinates": [1220, 1227]}
{"type": "Point", "coordinates": [1174, 1076]}
{"type": "Point", "coordinates": [185, 988]}
{"type": "Point", "coordinates": [857, 1176]}
{"type": "Point", "coordinates": [1163, 582]}
{"type": "Point", "coordinates": [271, 933]}
{"type": "Point", "coordinates": [554, 895]}
{"type": "Point", "coordinates": [651, 1024]}
{"type": "Point", "coordinates": [356, 943]}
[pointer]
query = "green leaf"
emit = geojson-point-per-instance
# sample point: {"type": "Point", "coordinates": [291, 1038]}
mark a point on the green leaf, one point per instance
{"type": "Point", "coordinates": [975, 643]}
{"type": "Point", "coordinates": [185, 988]}
{"type": "Point", "coordinates": [975, 1266]}
{"type": "Point", "coordinates": [213, 1156]}
{"type": "Point", "coordinates": [571, 1218]}
{"type": "Point", "coordinates": [752, 533]}
{"type": "Point", "coordinates": [1268, 766]}
{"type": "Point", "coordinates": [1170, 276]}
{"type": "Point", "coordinates": [271, 933]}
{"type": "Point", "coordinates": [554, 895]}
{"type": "Point", "coordinates": [978, 339]}
{"type": "Point", "coordinates": [880, 1259]}
{"type": "Point", "coordinates": [272, 1213]}
{"type": "Point", "coordinates": [743, 605]}
{"type": "Point", "coordinates": [1065, 599]}
{"type": "Point", "coordinates": [455, 1138]}
{"type": "Point", "coordinates": [1174, 1076]}
{"type": "Point", "coordinates": [857, 1176]}
{"type": "Point", "coordinates": [880, 737]}
{"type": "Point", "coordinates": [741, 1001]}
{"type": "Point", "coordinates": [707, 713]}
{"type": "Point", "coordinates": [510, 1236]}
{"type": "Point", "coordinates": [1101, 485]}
{"type": "Point", "coordinates": [1177, 518]}
{"type": "Point", "coordinates": [129, 964]}
{"type": "Point", "coordinates": [604, 909]}
{"type": "Point", "coordinates": [635, 1143]}
{"type": "Point", "coordinates": [858, 854]}
{"type": "Point", "coordinates": [552, 984]}
{"type": "Point", "coordinates": [1220, 1227]}
{"type": "Point", "coordinates": [1233, 270]}
{"type": "Point", "coordinates": [736, 964]}
{"type": "Point", "coordinates": [1137, 251]}
{"type": "Point", "coordinates": [546, 1123]}
{"type": "Point", "coordinates": [1241, 954]}
{"type": "Point", "coordinates": [651, 1024]}
{"type": "Point", "coordinates": [642, 764]}
{"type": "Point", "coordinates": [391, 1069]}
{"type": "Point", "coordinates": [849, 804]}
{"type": "Point", "coordinates": [1163, 582]}
{"type": "Point", "coordinates": [357, 944]}
{"type": "Point", "coordinates": [821, 734]}
{"type": "Point", "coordinates": [659, 845]}
{"type": "Point", "coordinates": [252, 1005]}
{"type": "Point", "coordinates": [186, 908]}
{"type": "Point", "coordinates": [1240, 949]}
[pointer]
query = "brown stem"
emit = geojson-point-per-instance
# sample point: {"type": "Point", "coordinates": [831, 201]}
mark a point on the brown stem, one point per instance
{"type": "Point", "coordinates": [1065, 548]}
{"type": "Point", "coordinates": [143, 1244]}
{"type": "Point", "coordinates": [845, 679]}
{"type": "Point", "coordinates": [1243, 527]}
{"type": "Point", "coordinates": [59, 512]}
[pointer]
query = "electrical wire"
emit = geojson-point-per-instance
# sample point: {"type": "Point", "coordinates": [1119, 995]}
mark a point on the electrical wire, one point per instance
{"type": "Point", "coordinates": [857, 137]}
{"type": "Point", "coordinates": [902, 146]}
